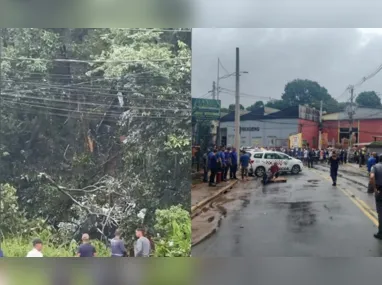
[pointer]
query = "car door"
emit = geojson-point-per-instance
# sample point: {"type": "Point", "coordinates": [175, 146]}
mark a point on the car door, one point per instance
{"type": "Point", "coordinates": [269, 159]}
{"type": "Point", "coordinates": [285, 162]}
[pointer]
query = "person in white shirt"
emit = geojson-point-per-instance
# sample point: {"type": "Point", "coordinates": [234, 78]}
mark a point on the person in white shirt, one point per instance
{"type": "Point", "coordinates": [37, 248]}
{"type": "Point", "coordinates": [306, 155]}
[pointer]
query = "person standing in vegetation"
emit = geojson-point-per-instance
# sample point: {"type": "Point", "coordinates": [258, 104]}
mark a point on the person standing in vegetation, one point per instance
{"type": "Point", "coordinates": [142, 246]}
{"type": "Point", "coordinates": [86, 249]}
{"type": "Point", "coordinates": [37, 248]}
{"type": "Point", "coordinates": [118, 246]}
{"type": "Point", "coordinates": [334, 163]}
{"type": "Point", "coordinates": [1, 253]}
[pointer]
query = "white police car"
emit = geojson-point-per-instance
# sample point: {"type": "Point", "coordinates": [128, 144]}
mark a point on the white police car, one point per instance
{"type": "Point", "coordinates": [261, 161]}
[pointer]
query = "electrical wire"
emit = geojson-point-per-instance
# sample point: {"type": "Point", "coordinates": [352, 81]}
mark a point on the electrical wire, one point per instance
{"type": "Point", "coordinates": [94, 60]}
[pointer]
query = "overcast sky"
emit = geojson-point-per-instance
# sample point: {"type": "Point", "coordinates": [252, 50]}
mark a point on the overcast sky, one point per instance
{"type": "Point", "coordinates": [335, 58]}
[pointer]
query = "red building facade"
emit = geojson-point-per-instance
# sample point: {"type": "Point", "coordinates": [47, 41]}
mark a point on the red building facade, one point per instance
{"type": "Point", "coordinates": [363, 129]}
{"type": "Point", "coordinates": [309, 130]}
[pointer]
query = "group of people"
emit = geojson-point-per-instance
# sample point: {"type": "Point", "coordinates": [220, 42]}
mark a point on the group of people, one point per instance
{"type": "Point", "coordinates": [223, 161]}
{"type": "Point", "coordinates": [142, 248]}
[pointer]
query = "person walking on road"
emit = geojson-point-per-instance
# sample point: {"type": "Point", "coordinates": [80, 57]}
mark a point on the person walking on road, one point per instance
{"type": "Point", "coordinates": [142, 246]}
{"type": "Point", "coordinates": [213, 166]}
{"type": "Point", "coordinates": [118, 246]}
{"type": "Point", "coordinates": [233, 170]}
{"type": "Point", "coordinates": [376, 182]}
{"type": "Point", "coordinates": [244, 163]}
{"type": "Point", "coordinates": [86, 249]}
{"type": "Point", "coordinates": [334, 163]}
{"type": "Point", "coordinates": [37, 249]}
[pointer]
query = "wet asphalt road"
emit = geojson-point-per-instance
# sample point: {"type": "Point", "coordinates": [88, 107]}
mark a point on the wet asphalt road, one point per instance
{"type": "Point", "coordinates": [305, 217]}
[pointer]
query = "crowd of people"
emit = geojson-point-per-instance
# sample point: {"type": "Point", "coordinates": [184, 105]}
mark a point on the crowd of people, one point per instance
{"type": "Point", "coordinates": [223, 163]}
{"type": "Point", "coordinates": [143, 246]}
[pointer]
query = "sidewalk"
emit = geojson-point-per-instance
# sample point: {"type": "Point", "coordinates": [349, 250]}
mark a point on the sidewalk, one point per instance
{"type": "Point", "coordinates": [201, 191]}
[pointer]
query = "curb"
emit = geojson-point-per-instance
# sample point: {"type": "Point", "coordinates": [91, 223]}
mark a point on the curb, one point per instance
{"type": "Point", "coordinates": [210, 198]}
{"type": "Point", "coordinates": [208, 235]}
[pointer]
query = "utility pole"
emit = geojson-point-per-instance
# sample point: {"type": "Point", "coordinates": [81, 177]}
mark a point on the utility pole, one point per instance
{"type": "Point", "coordinates": [217, 80]}
{"type": "Point", "coordinates": [351, 113]}
{"type": "Point", "coordinates": [213, 90]}
{"type": "Point", "coordinates": [237, 103]}
{"type": "Point", "coordinates": [320, 131]}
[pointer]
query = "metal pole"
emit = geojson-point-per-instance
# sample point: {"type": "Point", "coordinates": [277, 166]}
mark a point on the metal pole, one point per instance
{"type": "Point", "coordinates": [217, 80]}
{"type": "Point", "coordinates": [320, 133]}
{"type": "Point", "coordinates": [237, 103]}
{"type": "Point", "coordinates": [213, 90]}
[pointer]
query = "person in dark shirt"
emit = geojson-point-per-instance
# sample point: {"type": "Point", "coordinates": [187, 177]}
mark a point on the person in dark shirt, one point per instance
{"type": "Point", "coordinates": [86, 249]}
{"type": "Point", "coordinates": [118, 246]}
{"type": "Point", "coordinates": [213, 166]}
{"type": "Point", "coordinates": [233, 170]}
{"type": "Point", "coordinates": [310, 158]}
{"type": "Point", "coordinates": [205, 166]}
{"type": "Point", "coordinates": [334, 163]}
{"type": "Point", "coordinates": [244, 163]}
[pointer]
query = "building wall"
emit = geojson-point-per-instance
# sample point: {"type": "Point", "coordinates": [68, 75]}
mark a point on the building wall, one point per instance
{"type": "Point", "coordinates": [270, 132]}
{"type": "Point", "coordinates": [331, 128]}
{"type": "Point", "coordinates": [368, 129]}
{"type": "Point", "coordinates": [309, 130]}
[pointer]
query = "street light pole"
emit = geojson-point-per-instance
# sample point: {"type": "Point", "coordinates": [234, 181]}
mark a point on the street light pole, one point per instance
{"type": "Point", "coordinates": [217, 81]}
{"type": "Point", "coordinates": [237, 103]}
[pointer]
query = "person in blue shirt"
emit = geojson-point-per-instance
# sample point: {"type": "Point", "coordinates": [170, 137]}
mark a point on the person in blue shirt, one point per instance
{"type": "Point", "coordinates": [370, 163]}
{"type": "Point", "coordinates": [233, 168]}
{"type": "Point", "coordinates": [213, 166]}
{"type": "Point", "coordinates": [1, 253]}
{"type": "Point", "coordinates": [227, 162]}
{"type": "Point", "coordinates": [244, 163]}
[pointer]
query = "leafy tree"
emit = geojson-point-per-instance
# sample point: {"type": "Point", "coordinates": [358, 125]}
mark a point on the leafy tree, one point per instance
{"type": "Point", "coordinates": [277, 104]}
{"type": "Point", "coordinates": [72, 131]}
{"type": "Point", "coordinates": [368, 99]}
{"type": "Point", "coordinates": [231, 107]}
{"type": "Point", "coordinates": [224, 110]}
{"type": "Point", "coordinates": [257, 104]}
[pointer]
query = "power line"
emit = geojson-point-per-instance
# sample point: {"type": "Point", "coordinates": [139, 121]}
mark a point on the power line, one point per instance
{"type": "Point", "coordinates": [95, 60]}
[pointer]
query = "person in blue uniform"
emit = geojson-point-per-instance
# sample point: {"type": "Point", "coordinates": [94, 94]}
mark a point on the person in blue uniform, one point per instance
{"type": "Point", "coordinates": [334, 163]}
{"type": "Point", "coordinates": [213, 166]}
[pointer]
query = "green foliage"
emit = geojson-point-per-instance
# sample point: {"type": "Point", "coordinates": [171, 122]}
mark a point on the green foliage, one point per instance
{"type": "Point", "coordinates": [60, 145]}
{"type": "Point", "coordinates": [174, 229]}
{"type": "Point", "coordinates": [257, 104]}
{"type": "Point", "coordinates": [231, 107]}
{"type": "Point", "coordinates": [368, 99]}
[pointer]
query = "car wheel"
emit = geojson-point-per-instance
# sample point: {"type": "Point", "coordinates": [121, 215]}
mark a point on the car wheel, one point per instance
{"type": "Point", "coordinates": [296, 169]}
{"type": "Point", "coordinates": [260, 171]}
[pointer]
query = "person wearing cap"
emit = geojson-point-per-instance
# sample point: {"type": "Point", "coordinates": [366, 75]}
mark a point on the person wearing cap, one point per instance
{"type": "Point", "coordinates": [86, 249]}
{"type": "Point", "coordinates": [37, 248]}
{"type": "Point", "coordinates": [118, 246]}
{"type": "Point", "coordinates": [376, 182]}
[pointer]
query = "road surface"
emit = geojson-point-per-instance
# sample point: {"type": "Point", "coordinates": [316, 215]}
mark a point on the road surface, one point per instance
{"type": "Point", "coordinates": [305, 217]}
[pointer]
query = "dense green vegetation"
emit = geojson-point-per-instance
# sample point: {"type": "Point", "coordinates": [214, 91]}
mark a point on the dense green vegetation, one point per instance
{"type": "Point", "coordinates": [94, 135]}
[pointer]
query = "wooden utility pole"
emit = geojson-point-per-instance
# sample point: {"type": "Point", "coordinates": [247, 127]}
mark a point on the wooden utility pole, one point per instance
{"type": "Point", "coordinates": [217, 80]}
{"type": "Point", "coordinates": [237, 103]}
{"type": "Point", "coordinates": [351, 118]}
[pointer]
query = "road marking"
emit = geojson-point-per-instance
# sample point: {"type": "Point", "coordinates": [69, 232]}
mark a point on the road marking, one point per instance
{"type": "Point", "coordinates": [368, 212]}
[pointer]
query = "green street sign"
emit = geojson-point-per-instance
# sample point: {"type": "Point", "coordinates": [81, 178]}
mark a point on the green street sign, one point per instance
{"type": "Point", "coordinates": [205, 109]}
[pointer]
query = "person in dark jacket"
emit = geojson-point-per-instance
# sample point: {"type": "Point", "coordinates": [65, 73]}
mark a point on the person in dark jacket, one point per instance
{"type": "Point", "coordinates": [233, 168]}
{"type": "Point", "coordinates": [334, 163]}
{"type": "Point", "coordinates": [213, 166]}
{"type": "Point", "coordinates": [205, 166]}
{"type": "Point", "coordinates": [310, 158]}
{"type": "Point", "coordinates": [376, 182]}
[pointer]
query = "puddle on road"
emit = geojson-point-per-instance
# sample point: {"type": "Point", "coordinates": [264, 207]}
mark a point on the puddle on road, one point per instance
{"type": "Point", "coordinates": [308, 186]}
